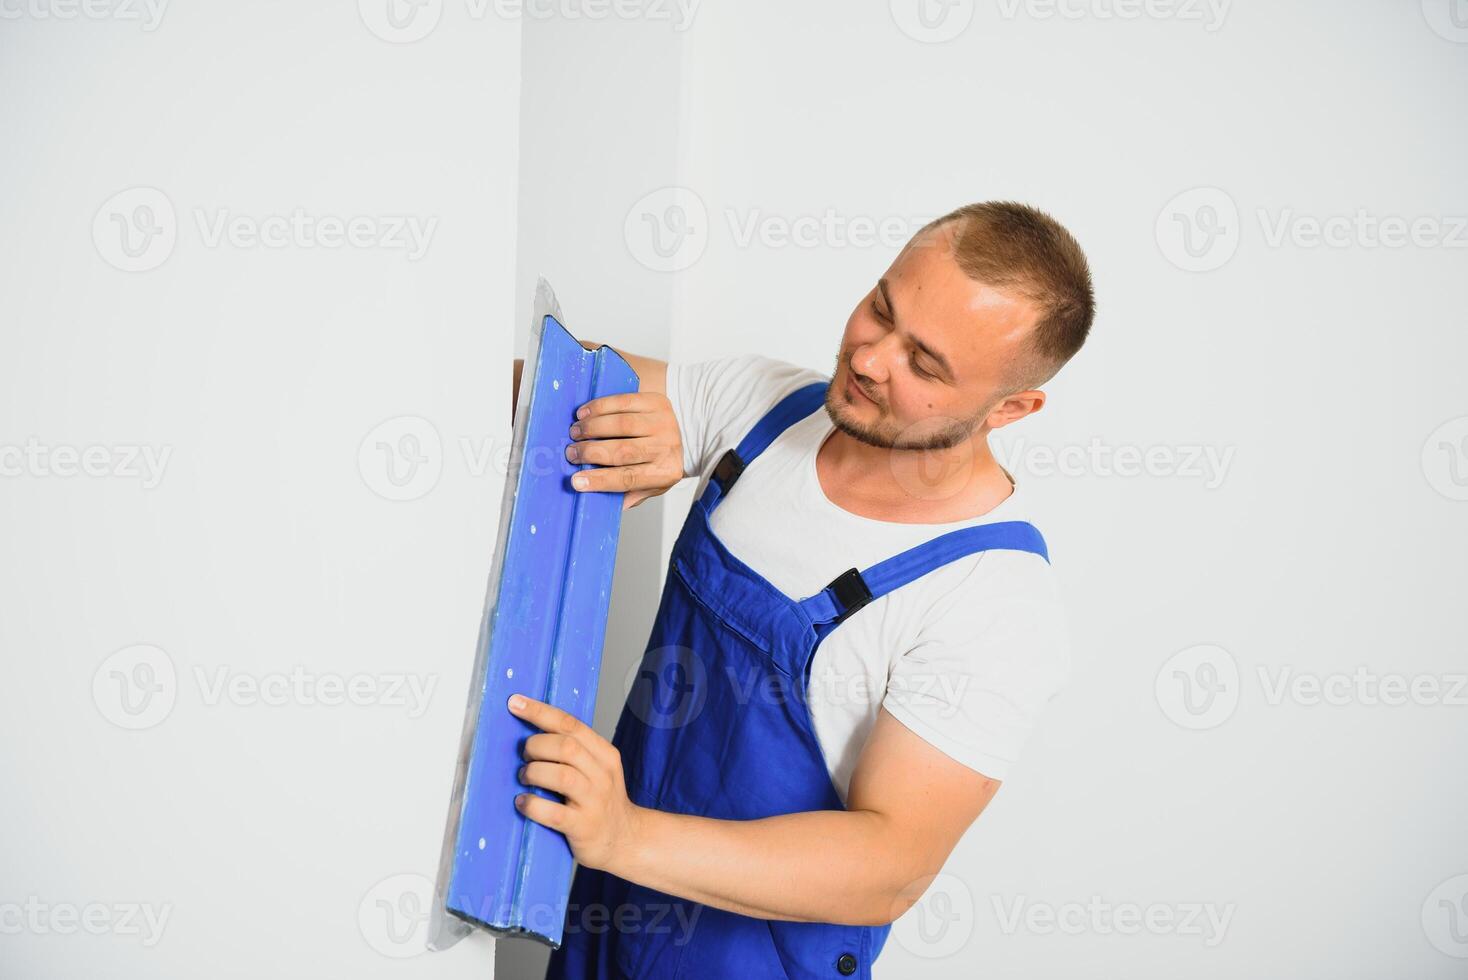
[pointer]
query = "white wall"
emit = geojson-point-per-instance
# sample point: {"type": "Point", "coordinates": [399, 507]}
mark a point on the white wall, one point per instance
{"type": "Point", "coordinates": [1321, 372]}
{"type": "Point", "coordinates": [293, 839]}
{"type": "Point", "coordinates": [285, 840]}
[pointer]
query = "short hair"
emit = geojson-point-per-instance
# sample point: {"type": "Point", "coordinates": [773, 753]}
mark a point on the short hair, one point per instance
{"type": "Point", "coordinates": [1005, 244]}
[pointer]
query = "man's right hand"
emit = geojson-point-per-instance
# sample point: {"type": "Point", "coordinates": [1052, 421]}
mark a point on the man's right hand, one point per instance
{"type": "Point", "coordinates": [634, 443]}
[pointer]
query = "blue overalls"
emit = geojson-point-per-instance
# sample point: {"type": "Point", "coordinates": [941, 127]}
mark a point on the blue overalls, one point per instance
{"type": "Point", "coordinates": [717, 725]}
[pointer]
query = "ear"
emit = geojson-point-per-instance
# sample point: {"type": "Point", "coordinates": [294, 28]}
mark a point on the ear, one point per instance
{"type": "Point", "coordinates": [1015, 407]}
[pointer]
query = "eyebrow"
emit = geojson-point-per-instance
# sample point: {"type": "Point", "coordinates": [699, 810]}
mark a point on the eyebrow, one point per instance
{"type": "Point", "coordinates": [917, 342]}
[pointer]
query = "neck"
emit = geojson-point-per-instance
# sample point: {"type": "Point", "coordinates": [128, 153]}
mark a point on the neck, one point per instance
{"type": "Point", "coordinates": [925, 485]}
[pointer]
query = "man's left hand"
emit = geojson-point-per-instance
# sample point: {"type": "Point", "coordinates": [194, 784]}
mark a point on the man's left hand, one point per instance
{"type": "Point", "coordinates": [571, 759]}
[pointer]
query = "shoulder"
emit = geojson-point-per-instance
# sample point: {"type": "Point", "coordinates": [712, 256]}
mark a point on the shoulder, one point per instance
{"type": "Point", "coordinates": [992, 649]}
{"type": "Point", "coordinates": [717, 401]}
{"type": "Point", "coordinates": [1000, 605]}
{"type": "Point", "coordinates": [746, 379]}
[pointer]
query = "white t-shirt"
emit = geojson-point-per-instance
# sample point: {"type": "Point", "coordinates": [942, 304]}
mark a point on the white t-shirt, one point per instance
{"type": "Point", "coordinates": [965, 656]}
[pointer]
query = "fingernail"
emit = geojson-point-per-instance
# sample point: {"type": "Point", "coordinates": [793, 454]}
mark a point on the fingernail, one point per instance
{"type": "Point", "coordinates": [516, 702]}
{"type": "Point", "coordinates": [575, 432]}
{"type": "Point", "coordinates": [571, 453]}
{"type": "Point", "coordinates": [521, 774]}
{"type": "Point", "coordinates": [520, 802]}
{"type": "Point", "coordinates": [581, 412]}
{"type": "Point", "coordinates": [578, 481]}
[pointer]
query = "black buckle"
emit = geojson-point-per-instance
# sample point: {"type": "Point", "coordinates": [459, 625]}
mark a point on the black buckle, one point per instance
{"type": "Point", "coordinates": [728, 470]}
{"type": "Point", "coordinates": [851, 591]}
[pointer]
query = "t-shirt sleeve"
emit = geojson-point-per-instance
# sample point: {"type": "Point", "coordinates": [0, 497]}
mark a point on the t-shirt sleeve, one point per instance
{"type": "Point", "coordinates": [992, 653]}
{"type": "Point", "coordinates": [716, 402]}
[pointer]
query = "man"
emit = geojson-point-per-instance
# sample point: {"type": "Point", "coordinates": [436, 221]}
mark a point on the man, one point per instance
{"type": "Point", "coordinates": [858, 629]}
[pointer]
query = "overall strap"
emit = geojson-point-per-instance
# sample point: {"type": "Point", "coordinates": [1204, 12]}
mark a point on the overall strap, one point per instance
{"type": "Point", "coordinates": [853, 589]}
{"type": "Point", "coordinates": [789, 410]}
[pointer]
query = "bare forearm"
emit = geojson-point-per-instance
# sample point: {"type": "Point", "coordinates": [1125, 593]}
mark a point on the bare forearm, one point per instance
{"type": "Point", "coordinates": [823, 866]}
{"type": "Point", "coordinates": [909, 804]}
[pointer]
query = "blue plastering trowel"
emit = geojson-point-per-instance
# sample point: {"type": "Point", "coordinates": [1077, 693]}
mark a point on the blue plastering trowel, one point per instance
{"type": "Point", "coordinates": [544, 622]}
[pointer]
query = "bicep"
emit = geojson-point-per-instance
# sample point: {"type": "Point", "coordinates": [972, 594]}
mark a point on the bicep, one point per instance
{"type": "Point", "coordinates": [926, 797]}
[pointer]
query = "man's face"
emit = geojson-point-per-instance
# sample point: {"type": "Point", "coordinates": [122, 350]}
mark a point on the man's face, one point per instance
{"type": "Point", "coordinates": [927, 355]}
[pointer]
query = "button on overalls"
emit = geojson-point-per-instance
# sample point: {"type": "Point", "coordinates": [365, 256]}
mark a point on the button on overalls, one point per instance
{"type": "Point", "coordinates": [717, 725]}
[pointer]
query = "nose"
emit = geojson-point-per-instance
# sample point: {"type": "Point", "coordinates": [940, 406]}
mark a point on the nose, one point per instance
{"type": "Point", "coordinates": [874, 360]}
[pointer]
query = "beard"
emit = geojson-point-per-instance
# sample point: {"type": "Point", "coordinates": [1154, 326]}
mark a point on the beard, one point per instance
{"type": "Point", "coordinates": [930, 434]}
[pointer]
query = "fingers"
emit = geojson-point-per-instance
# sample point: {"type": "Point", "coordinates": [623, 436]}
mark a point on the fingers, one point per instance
{"type": "Point", "coordinates": [635, 497]}
{"type": "Point", "coordinates": [632, 401]}
{"type": "Point", "coordinates": [546, 717]}
{"type": "Point", "coordinates": [630, 444]}
{"type": "Point", "coordinates": [621, 479]}
{"type": "Point", "coordinates": [557, 778]}
{"type": "Point", "coordinates": [563, 749]}
{"type": "Point", "coordinates": [566, 739]}
{"type": "Point", "coordinates": [615, 426]}
{"type": "Point", "coordinates": [547, 813]}
{"type": "Point", "coordinates": [618, 452]}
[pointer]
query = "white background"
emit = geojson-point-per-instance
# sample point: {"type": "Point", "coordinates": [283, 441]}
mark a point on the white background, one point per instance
{"type": "Point", "coordinates": [1326, 538]}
